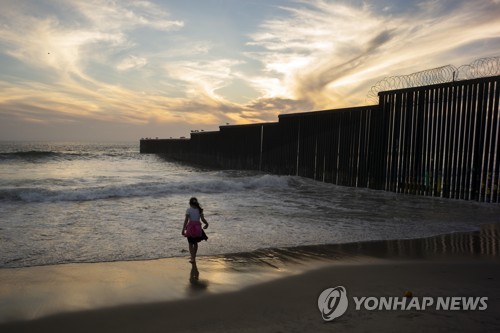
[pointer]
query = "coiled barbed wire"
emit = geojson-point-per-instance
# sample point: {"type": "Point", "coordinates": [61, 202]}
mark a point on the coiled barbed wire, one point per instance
{"type": "Point", "coordinates": [483, 67]}
{"type": "Point", "coordinates": [480, 68]}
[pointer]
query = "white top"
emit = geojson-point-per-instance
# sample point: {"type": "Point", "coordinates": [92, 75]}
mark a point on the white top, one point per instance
{"type": "Point", "coordinates": [193, 213]}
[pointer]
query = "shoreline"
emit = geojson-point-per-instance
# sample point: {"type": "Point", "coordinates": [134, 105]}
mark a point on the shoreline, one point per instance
{"type": "Point", "coordinates": [53, 294]}
{"type": "Point", "coordinates": [290, 303]}
{"type": "Point", "coordinates": [488, 230]}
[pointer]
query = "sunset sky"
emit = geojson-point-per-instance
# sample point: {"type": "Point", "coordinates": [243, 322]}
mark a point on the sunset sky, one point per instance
{"type": "Point", "coordinates": [122, 70]}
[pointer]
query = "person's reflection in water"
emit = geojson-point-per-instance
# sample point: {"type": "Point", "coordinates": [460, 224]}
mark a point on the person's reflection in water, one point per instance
{"type": "Point", "coordinates": [195, 274]}
{"type": "Point", "coordinates": [194, 279]}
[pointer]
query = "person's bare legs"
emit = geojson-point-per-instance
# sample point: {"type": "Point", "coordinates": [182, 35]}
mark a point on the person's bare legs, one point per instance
{"type": "Point", "coordinates": [193, 248]}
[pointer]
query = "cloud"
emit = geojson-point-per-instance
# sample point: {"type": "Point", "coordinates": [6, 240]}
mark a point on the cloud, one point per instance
{"type": "Point", "coordinates": [379, 40]}
{"type": "Point", "coordinates": [125, 15]}
{"type": "Point", "coordinates": [132, 62]}
{"type": "Point", "coordinates": [136, 62]}
{"type": "Point", "coordinates": [203, 76]}
{"type": "Point", "coordinates": [96, 31]}
{"type": "Point", "coordinates": [315, 45]}
{"type": "Point", "coordinates": [102, 36]}
{"type": "Point", "coordinates": [62, 52]}
{"type": "Point", "coordinates": [270, 108]}
{"type": "Point", "coordinates": [327, 52]}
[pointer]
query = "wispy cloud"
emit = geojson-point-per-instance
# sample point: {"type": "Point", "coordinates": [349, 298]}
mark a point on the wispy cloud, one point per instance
{"type": "Point", "coordinates": [125, 15]}
{"type": "Point", "coordinates": [132, 62]}
{"type": "Point", "coordinates": [65, 50]}
{"type": "Point", "coordinates": [141, 63]}
{"type": "Point", "coordinates": [205, 76]}
{"type": "Point", "coordinates": [329, 52]}
{"type": "Point", "coordinates": [96, 31]}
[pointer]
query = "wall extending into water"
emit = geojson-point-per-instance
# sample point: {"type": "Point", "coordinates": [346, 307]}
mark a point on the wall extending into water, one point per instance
{"type": "Point", "coordinates": [440, 140]}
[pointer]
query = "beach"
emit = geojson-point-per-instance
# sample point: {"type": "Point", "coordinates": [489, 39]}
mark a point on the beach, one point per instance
{"type": "Point", "coordinates": [275, 290]}
{"type": "Point", "coordinates": [90, 241]}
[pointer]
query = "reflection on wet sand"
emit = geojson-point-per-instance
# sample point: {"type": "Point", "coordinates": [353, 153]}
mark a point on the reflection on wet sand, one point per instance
{"type": "Point", "coordinates": [195, 284]}
{"type": "Point", "coordinates": [35, 292]}
{"type": "Point", "coordinates": [483, 243]}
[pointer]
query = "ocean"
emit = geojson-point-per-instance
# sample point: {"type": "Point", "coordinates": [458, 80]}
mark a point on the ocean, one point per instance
{"type": "Point", "coordinates": [100, 202]}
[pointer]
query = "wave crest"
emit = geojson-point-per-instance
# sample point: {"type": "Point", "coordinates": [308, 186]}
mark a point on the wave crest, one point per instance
{"type": "Point", "coordinates": [144, 189]}
{"type": "Point", "coordinates": [35, 155]}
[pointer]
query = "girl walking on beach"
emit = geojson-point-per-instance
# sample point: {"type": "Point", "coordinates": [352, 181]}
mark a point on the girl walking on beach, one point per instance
{"type": "Point", "coordinates": [192, 227]}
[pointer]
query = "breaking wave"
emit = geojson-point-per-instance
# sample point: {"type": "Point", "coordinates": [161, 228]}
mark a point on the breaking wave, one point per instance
{"type": "Point", "coordinates": [144, 189]}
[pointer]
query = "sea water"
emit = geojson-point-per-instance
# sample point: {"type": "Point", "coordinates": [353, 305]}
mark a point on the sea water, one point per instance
{"type": "Point", "coordinates": [98, 202]}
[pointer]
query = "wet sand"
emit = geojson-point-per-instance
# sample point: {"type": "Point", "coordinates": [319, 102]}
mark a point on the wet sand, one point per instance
{"type": "Point", "coordinates": [267, 291]}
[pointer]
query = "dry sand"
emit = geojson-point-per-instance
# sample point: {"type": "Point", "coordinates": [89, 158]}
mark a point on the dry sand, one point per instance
{"type": "Point", "coordinates": [235, 295]}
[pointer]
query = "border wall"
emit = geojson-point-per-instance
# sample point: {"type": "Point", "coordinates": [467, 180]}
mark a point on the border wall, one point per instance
{"type": "Point", "coordinates": [439, 140]}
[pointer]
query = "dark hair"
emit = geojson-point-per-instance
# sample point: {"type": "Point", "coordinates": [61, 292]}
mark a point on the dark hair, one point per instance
{"type": "Point", "coordinates": [194, 202]}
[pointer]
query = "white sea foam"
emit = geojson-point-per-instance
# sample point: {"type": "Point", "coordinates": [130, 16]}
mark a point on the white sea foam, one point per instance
{"type": "Point", "coordinates": [115, 204]}
{"type": "Point", "coordinates": [204, 184]}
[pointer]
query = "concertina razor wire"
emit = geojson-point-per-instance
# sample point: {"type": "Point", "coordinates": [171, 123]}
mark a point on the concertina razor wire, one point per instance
{"type": "Point", "coordinates": [479, 68]}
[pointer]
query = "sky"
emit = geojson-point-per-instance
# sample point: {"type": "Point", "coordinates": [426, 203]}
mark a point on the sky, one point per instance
{"type": "Point", "coordinates": [118, 70]}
